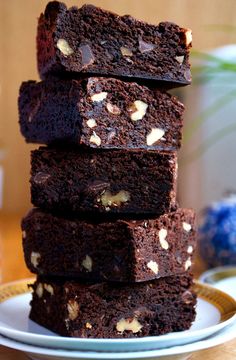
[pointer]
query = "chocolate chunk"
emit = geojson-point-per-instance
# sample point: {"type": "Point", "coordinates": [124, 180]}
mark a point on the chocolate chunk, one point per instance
{"type": "Point", "coordinates": [87, 56]}
{"type": "Point", "coordinates": [145, 47]}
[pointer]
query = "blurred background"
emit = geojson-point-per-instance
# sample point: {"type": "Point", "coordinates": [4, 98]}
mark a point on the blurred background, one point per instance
{"type": "Point", "coordinates": [207, 166]}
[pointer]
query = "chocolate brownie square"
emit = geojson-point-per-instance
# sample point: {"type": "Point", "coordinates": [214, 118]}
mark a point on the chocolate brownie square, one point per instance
{"type": "Point", "coordinates": [114, 310]}
{"type": "Point", "coordinates": [100, 112]}
{"type": "Point", "coordinates": [115, 181]}
{"type": "Point", "coordinates": [90, 40]}
{"type": "Point", "coordinates": [119, 250]}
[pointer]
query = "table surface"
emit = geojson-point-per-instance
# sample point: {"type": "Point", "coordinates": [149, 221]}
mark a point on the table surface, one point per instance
{"type": "Point", "coordinates": [12, 268]}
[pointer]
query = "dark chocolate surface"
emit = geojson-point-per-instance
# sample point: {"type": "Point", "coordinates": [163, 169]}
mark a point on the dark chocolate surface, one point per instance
{"type": "Point", "coordinates": [100, 112]}
{"type": "Point", "coordinates": [121, 250]}
{"type": "Point", "coordinates": [100, 181]}
{"type": "Point", "coordinates": [106, 310]}
{"type": "Point", "coordinates": [90, 40]}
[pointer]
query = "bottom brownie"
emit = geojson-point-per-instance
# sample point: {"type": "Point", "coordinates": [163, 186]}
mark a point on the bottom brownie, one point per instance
{"type": "Point", "coordinates": [114, 310]}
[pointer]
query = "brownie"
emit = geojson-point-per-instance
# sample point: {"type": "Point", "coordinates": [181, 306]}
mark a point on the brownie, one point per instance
{"type": "Point", "coordinates": [121, 250]}
{"type": "Point", "coordinates": [114, 310]}
{"type": "Point", "coordinates": [90, 40]}
{"type": "Point", "coordinates": [100, 112]}
{"type": "Point", "coordinates": [94, 180]}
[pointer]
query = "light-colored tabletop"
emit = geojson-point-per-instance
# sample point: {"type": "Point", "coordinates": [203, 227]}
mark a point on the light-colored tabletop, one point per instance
{"type": "Point", "coordinates": [13, 268]}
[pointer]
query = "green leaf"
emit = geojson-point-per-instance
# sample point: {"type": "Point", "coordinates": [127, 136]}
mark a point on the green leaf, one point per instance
{"type": "Point", "coordinates": [209, 66]}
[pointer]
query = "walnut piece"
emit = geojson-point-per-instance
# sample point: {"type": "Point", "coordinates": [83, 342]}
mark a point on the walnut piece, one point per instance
{"type": "Point", "coordinates": [180, 59]}
{"type": "Point", "coordinates": [113, 109]}
{"type": "Point", "coordinates": [91, 123]}
{"type": "Point", "coordinates": [152, 265]}
{"type": "Point", "coordinates": [186, 226]}
{"type": "Point", "coordinates": [73, 309]}
{"type": "Point", "coordinates": [34, 258]}
{"type": "Point", "coordinates": [87, 263]}
{"type": "Point", "coordinates": [39, 290]}
{"type": "Point", "coordinates": [162, 238]}
{"type": "Point", "coordinates": [128, 324]}
{"type": "Point", "coordinates": [88, 325]}
{"type": "Point", "coordinates": [155, 135]}
{"type": "Point", "coordinates": [95, 139]}
{"type": "Point", "coordinates": [138, 110]}
{"type": "Point", "coordinates": [187, 297]}
{"type": "Point", "coordinates": [187, 264]}
{"type": "Point", "coordinates": [188, 37]}
{"type": "Point", "coordinates": [64, 47]}
{"type": "Point", "coordinates": [99, 96]}
{"type": "Point", "coordinates": [49, 288]}
{"type": "Point", "coordinates": [107, 199]}
{"type": "Point", "coordinates": [190, 249]}
{"type": "Point", "coordinates": [125, 51]}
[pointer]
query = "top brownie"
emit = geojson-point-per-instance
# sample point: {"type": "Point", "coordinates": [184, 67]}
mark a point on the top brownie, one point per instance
{"type": "Point", "coordinates": [90, 40]}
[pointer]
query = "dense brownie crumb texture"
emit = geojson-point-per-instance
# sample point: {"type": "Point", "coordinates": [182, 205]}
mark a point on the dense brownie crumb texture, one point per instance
{"type": "Point", "coordinates": [100, 113]}
{"type": "Point", "coordinates": [121, 250]}
{"type": "Point", "coordinates": [111, 249]}
{"type": "Point", "coordinates": [90, 40]}
{"type": "Point", "coordinates": [108, 310]}
{"type": "Point", "coordinates": [114, 182]}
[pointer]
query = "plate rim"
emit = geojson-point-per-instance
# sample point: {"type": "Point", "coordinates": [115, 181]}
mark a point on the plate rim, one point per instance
{"type": "Point", "coordinates": [20, 287]}
{"type": "Point", "coordinates": [227, 334]}
{"type": "Point", "coordinates": [227, 271]}
{"type": "Point", "coordinates": [201, 288]}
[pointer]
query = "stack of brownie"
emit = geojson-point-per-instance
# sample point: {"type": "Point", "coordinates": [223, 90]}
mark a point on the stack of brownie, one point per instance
{"type": "Point", "coordinates": [111, 248]}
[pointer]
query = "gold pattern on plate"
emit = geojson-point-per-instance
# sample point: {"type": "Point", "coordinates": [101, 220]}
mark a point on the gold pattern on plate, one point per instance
{"type": "Point", "coordinates": [9, 290]}
{"type": "Point", "coordinates": [223, 302]}
{"type": "Point", "coordinates": [220, 274]}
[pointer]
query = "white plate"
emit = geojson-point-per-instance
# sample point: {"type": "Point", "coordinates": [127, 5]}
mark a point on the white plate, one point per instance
{"type": "Point", "coordinates": [223, 278]}
{"type": "Point", "coordinates": [228, 285]}
{"type": "Point", "coordinates": [173, 353]}
{"type": "Point", "coordinates": [14, 323]}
